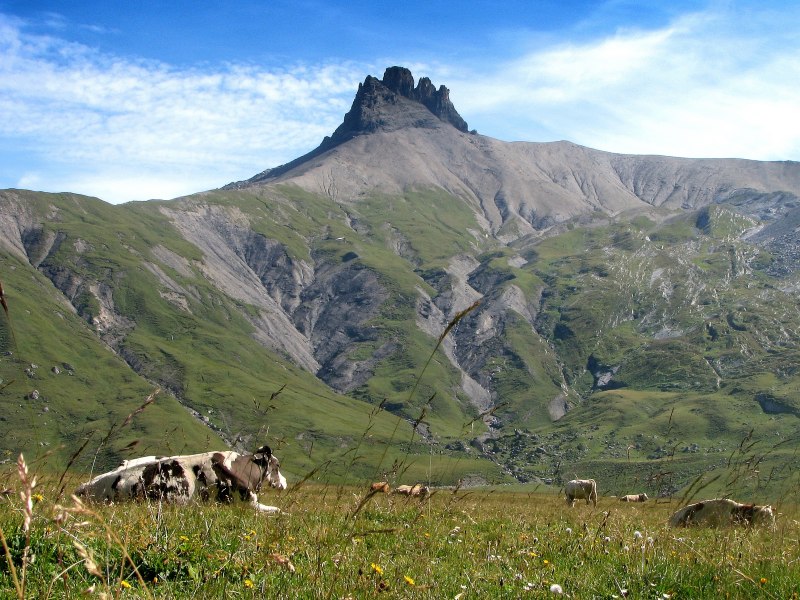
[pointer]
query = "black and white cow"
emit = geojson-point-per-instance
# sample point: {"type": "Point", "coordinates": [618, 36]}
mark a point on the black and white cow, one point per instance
{"type": "Point", "coordinates": [578, 489]}
{"type": "Point", "coordinates": [721, 512]}
{"type": "Point", "coordinates": [179, 479]}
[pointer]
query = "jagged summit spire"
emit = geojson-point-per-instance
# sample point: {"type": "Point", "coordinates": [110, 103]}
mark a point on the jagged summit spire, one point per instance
{"type": "Point", "coordinates": [376, 101]}
{"type": "Point", "coordinates": [387, 104]}
{"type": "Point", "coordinates": [401, 81]}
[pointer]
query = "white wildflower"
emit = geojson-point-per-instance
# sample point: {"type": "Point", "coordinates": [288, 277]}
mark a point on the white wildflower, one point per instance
{"type": "Point", "coordinates": [556, 589]}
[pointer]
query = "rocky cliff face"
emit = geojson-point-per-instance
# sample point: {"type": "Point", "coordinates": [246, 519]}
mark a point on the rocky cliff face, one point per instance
{"type": "Point", "coordinates": [401, 81]}
{"type": "Point", "coordinates": [380, 105]}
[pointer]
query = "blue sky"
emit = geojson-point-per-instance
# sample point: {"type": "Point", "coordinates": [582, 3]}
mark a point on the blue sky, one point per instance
{"type": "Point", "coordinates": [156, 99]}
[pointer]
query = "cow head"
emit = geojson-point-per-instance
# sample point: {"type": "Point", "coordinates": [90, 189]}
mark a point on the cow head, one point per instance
{"type": "Point", "coordinates": [763, 515]}
{"type": "Point", "coordinates": [270, 466]}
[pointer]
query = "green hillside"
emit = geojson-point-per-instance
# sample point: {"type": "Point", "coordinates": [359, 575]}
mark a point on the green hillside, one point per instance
{"type": "Point", "coordinates": [203, 358]}
{"type": "Point", "coordinates": [645, 350]}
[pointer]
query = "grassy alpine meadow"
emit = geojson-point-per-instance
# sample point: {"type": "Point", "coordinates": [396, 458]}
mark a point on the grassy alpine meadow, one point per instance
{"type": "Point", "coordinates": [345, 542]}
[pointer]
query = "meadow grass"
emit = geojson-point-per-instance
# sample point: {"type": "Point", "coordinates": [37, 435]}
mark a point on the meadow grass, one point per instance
{"type": "Point", "coordinates": [341, 542]}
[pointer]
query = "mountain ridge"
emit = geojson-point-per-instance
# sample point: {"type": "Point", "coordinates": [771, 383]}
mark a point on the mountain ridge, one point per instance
{"type": "Point", "coordinates": [391, 141]}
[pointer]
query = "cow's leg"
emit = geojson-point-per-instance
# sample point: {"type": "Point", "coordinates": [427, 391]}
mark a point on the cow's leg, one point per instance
{"type": "Point", "coordinates": [224, 493]}
{"type": "Point", "coordinates": [262, 507]}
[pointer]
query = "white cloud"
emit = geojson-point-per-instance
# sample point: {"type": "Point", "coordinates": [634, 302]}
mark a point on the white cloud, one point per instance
{"type": "Point", "coordinates": [123, 186]}
{"type": "Point", "coordinates": [106, 115]}
{"type": "Point", "coordinates": [707, 85]}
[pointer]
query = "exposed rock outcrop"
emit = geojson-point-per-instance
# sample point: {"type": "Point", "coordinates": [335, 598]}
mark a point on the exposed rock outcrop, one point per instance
{"type": "Point", "coordinates": [401, 81]}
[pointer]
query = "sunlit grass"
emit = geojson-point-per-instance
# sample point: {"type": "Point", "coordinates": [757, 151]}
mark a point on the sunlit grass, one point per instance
{"type": "Point", "coordinates": [329, 544]}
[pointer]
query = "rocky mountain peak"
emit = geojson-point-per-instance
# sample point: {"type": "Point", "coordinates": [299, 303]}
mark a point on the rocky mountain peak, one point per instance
{"type": "Point", "coordinates": [387, 104]}
{"type": "Point", "coordinates": [381, 104]}
{"type": "Point", "coordinates": [401, 81]}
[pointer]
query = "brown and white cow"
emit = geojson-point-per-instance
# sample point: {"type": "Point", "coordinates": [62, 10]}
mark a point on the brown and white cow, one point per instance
{"type": "Point", "coordinates": [179, 479]}
{"type": "Point", "coordinates": [417, 490]}
{"type": "Point", "coordinates": [721, 512]}
{"type": "Point", "coordinates": [380, 487]}
{"type": "Point", "coordinates": [578, 489]}
{"type": "Point", "coordinates": [634, 498]}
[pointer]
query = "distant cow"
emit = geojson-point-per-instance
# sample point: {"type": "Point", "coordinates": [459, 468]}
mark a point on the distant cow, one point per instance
{"type": "Point", "coordinates": [634, 498]}
{"type": "Point", "coordinates": [581, 488]}
{"type": "Point", "coordinates": [380, 487]}
{"type": "Point", "coordinates": [179, 479]}
{"type": "Point", "coordinates": [417, 490]}
{"type": "Point", "coordinates": [722, 512]}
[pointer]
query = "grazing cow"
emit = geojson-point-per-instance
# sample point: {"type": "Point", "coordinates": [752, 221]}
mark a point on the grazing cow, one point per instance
{"type": "Point", "coordinates": [581, 488]}
{"type": "Point", "coordinates": [417, 490]}
{"type": "Point", "coordinates": [381, 486]}
{"type": "Point", "coordinates": [634, 498]}
{"type": "Point", "coordinates": [721, 512]}
{"type": "Point", "coordinates": [180, 478]}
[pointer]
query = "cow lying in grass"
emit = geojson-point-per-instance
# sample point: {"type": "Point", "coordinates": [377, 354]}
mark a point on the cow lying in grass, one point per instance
{"type": "Point", "coordinates": [722, 512]}
{"type": "Point", "coordinates": [578, 489]}
{"type": "Point", "coordinates": [417, 490]}
{"type": "Point", "coordinates": [634, 498]}
{"type": "Point", "coordinates": [180, 479]}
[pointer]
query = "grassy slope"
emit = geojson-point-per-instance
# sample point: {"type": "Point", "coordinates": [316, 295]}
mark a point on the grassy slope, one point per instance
{"type": "Point", "coordinates": [694, 340]}
{"type": "Point", "coordinates": [207, 356]}
{"type": "Point", "coordinates": [99, 392]}
{"type": "Point", "coordinates": [612, 293]}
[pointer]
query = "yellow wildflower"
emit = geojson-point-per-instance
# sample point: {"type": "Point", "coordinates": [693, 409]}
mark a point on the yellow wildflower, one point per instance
{"type": "Point", "coordinates": [377, 568]}
{"type": "Point", "coordinates": [763, 580]}
{"type": "Point", "coordinates": [545, 562]}
{"type": "Point", "coordinates": [248, 583]}
{"type": "Point", "coordinates": [408, 580]}
{"type": "Point", "coordinates": [37, 497]}
{"type": "Point", "coordinates": [183, 538]}
{"type": "Point", "coordinates": [125, 584]}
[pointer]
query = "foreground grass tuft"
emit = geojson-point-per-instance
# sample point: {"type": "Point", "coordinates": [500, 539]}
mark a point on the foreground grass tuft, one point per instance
{"type": "Point", "coordinates": [329, 543]}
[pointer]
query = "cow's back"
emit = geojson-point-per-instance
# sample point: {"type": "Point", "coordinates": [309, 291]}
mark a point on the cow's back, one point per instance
{"type": "Point", "coordinates": [721, 512]}
{"type": "Point", "coordinates": [173, 479]}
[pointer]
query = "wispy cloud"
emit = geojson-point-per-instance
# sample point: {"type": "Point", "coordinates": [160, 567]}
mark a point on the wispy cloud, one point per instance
{"type": "Point", "coordinates": [709, 84]}
{"type": "Point", "coordinates": [77, 107]}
